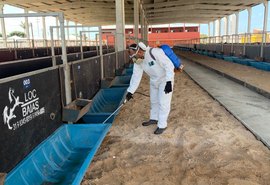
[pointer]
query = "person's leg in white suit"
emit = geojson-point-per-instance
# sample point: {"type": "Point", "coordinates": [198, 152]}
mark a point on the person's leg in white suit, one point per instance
{"type": "Point", "coordinates": [154, 102]}
{"type": "Point", "coordinates": [164, 106]}
{"type": "Point", "coordinates": [154, 110]}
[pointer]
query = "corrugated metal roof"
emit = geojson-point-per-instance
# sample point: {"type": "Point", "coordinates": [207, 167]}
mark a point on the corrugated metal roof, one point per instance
{"type": "Point", "coordinates": [102, 12]}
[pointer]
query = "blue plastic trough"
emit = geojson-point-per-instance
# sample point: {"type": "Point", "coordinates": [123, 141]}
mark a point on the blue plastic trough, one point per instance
{"type": "Point", "coordinates": [243, 61]}
{"type": "Point", "coordinates": [261, 65]}
{"type": "Point", "coordinates": [130, 66]}
{"type": "Point", "coordinates": [240, 61]}
{"type": "Point", "coordinates": [62, 158]}
{"type": "Point", "coordinates": [205, 53]}
{"type": "Point", "coordinates": [104, 104]}
{"type": "Point", "coordinates": [219, 56]}
{"type": "Point", "coordinates": [229, 58]}
{"type": "Point", "coordinates": [211, 54]}
{"type": "Point", "coordinates": [127, 71]}
{"type": "Point", "coordinates": [121, 81]}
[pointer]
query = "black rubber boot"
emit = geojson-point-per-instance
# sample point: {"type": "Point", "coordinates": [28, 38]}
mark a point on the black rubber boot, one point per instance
{"type": "Point", "coordinates": [150, 122]}
{"type": "Point", "coordinates": [159, 130]}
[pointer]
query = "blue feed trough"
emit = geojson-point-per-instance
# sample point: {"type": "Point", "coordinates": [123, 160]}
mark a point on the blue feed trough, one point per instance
{"type": "Point", "coordinates": [121, 81]}
{"type": "Point", "coordinates": [261, 65]}
{"type": "Point", "coordinates": [241, 61]}
{"type": "Point", "coordinates": [205, 53]}
{"type": "Point", "coordinates": [211, 54]}
{"type": "Point", "coordinates": [127, 71]}
{"type": "Point", "coordinates": [104, 104]}
{"type": "Point", "coordinates": [219, 56]}
{"type": "Point", "coordinates": [229, 58]}
{"type": "Point", "coordinates": [62, 158]}
{"type": "Point", "coordinates": [130, 66]}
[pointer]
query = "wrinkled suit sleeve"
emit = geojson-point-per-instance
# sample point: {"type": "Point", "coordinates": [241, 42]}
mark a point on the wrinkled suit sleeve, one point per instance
{"type": "Point", "coordinates": [135, 78]}
{"type": "Point", "coordinates": [164, 62]}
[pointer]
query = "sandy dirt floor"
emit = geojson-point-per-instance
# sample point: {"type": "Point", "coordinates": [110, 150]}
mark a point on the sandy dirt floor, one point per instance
{"type": "Point", "coordinates": [203, 145]}
{"type": "Point", "coordinates": [248, 74]}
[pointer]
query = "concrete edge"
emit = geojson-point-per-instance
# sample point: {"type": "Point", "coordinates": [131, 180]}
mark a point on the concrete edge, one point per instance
{"type": "Point", "coordinates": [247, 85]}
{"type": "Point", "coordinates": [257, 136]}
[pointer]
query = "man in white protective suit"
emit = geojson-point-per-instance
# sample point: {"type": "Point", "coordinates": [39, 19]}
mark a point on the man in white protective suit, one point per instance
{"type": "Point", "coordinates": [161, 73]}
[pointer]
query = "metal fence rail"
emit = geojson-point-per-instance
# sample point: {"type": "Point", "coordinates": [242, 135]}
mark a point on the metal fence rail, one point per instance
{"type": "Point", "coordinates": [251, 45]}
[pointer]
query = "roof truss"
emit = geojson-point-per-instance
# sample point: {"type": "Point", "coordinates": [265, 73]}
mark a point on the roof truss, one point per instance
{"type": "Point", "coordinates": [156, 11]}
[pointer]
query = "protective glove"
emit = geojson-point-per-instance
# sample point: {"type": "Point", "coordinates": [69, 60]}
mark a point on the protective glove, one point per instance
{"type": "Point", "coordinates": [168, 87]}
{"type": "Point", "coordinates": [129, 96]}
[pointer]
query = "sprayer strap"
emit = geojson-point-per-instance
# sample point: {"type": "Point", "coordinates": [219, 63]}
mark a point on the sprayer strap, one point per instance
{"type": "Point", "coordinates": [151, 54]}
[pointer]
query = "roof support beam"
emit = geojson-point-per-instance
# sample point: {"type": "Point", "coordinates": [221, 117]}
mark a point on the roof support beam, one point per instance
{"type": "Point", "coordinates": [79, 4]}
{"type": "Point", "coordinates": [226, 25]}
{"type": "Point", "coordinates": [190, 2]}
{"type": "Point", "coordinates": [209, 31]}
{"type": "Point", "coordinates": [157, 9]}
{"type": "Point", "coordinates": [185, 12]}
{"type": "Point", "coordinates": [120, 25]}
{"type": "Point", "coordinates": [219, 27]}
{"type": "Point", "coordinates": [3, 27]}
{"type": "Point", "coordinates": [107, 16]}
{"type": "Point", "coordinates": [44, 31]}
{"type": "Point", "coordinates": [146, 31]}
{"type": "Point", "coordinates": [264, 25]}
{"type": "Point", "coordinates": [249, 20]}
{"type": "Point", "coordinates": [198, 7]}
{"type": "Point", "coordinates": [26, 24]}
{"type": "Point", "coordinates": [214, 28]}
{"type": "Point", "coordinates": [57, 31]}
{"type": "Point", "coordinates": [76, 32]}
{"type": "Point", "coordinates": [184, 17]}
{"type": "Point", "coordinates": [142, 21]}
{"type": "Point", "coordinates": [136, 19]}
{"type": "Point", "coordinates": [237, 22]}
{"type": "Point", "coordinates": [177, 20]}
{"type": "Point", "coordinates": [67, 24]}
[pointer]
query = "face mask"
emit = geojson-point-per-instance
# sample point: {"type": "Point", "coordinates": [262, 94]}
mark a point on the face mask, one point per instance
{"type": "Point", "coordinates": [139, 60]}
{"type": "Point", "coordinates": [134, 59]}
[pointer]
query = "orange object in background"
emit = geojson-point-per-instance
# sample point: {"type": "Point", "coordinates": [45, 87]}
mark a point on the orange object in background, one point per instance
{"type": "Point", "coordinates": [156, 39]}
{"type": "Point", "coordinates": [161, 35]}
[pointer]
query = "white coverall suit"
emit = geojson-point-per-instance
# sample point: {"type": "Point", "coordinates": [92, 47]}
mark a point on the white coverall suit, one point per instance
{"type": "Point", "coordinates": [160, 71]}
